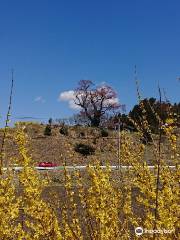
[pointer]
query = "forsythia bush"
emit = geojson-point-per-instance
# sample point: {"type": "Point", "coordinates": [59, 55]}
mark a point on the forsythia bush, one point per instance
{"type": "Point", "coordinates": [99, 204]}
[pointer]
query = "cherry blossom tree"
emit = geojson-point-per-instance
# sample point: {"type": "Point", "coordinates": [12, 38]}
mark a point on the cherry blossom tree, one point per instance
{"type": "Point", "coordinates": [95, 102]}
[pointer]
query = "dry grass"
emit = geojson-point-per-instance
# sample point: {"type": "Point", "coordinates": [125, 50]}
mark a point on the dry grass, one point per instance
{"type": "Point", "coordinates": [60, 149]}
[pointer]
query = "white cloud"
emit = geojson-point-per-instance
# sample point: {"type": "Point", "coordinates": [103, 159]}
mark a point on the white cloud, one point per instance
{"type": "Point", "coordinates": [39, 99]}
{"type": "Point", "coordinates": [113, 100]}
{"type": "Point", "coordinates": [72, 105]}
{"type": "Point", "coordinates": [68, 96]}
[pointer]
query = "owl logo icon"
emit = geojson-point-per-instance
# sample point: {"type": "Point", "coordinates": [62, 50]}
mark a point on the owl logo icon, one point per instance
{"type": "Point", "coordinates": [139, 231]}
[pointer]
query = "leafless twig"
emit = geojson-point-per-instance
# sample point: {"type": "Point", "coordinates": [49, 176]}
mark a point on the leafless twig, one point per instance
{"type": "Point", "coordinates": [6, 122]}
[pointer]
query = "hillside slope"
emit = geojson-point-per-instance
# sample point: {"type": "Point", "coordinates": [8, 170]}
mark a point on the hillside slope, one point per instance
{"type": "Point", "coordinates": [59, 148]}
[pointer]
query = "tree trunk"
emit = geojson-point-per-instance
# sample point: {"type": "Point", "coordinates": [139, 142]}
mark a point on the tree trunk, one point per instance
{"type": "Point", "coordinates": [95, 122]}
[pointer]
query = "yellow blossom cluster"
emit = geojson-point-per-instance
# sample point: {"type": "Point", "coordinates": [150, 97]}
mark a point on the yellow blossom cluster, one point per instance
{"type": "Point", "coordinates": [97, 204]}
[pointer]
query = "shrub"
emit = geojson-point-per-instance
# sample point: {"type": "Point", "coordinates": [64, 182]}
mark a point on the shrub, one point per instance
{"type": "Point", "coordinates": [81, 134]}
{"type": "Point", "coordinates": [146, 138]}
{"type": "Point", "coordinates": [50, 121]}
{"type": "Point", "coordinates": [84, 149]}
{"type": "Point", "coordinates": [64, 130]}
{"type": "Point", "coordinates": [104, 132]}
{"type": "Point", "coordinates": [47, 131]}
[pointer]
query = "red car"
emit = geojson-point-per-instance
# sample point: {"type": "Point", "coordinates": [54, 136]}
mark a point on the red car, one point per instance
{"type": "Point", "coordinates": [47, 164]}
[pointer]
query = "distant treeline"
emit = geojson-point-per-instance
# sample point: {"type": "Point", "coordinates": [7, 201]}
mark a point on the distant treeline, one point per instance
{"type": "Point", "coordinates": [150, 108]}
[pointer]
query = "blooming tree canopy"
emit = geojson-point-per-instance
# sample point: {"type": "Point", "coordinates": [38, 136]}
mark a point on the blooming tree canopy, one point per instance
{"type": "Point", "coordinates": [95, 101]}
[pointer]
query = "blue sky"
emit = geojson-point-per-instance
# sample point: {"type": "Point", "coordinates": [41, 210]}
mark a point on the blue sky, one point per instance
{"type": "Point", "coordinates": [53, 44]}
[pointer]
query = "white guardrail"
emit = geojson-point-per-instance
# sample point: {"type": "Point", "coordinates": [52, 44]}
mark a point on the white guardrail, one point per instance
{"type": "Point", "coordinates": [59, 168]}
